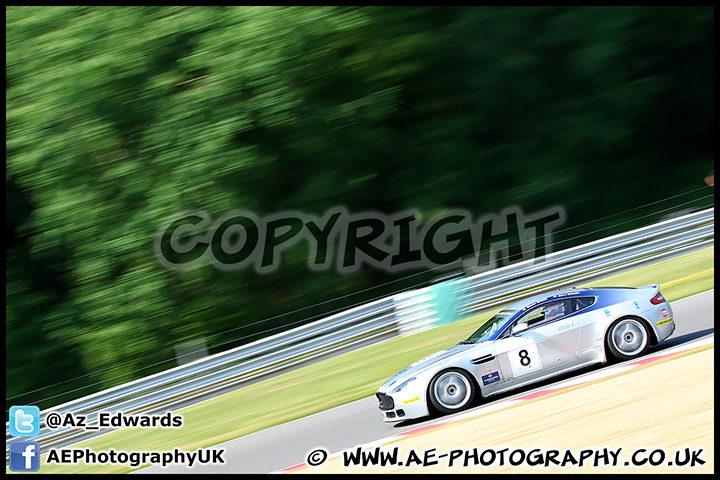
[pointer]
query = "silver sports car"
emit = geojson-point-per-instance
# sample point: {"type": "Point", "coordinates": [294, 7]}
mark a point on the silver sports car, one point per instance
{"type": "Point", "coordinates": [530, 341]}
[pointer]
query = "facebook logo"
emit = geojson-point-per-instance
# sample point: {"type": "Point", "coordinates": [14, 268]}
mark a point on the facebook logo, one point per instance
{"type": "Point", "coordinates": [24, 421]}
{"type": "Point", "coordinates": [24, 456]}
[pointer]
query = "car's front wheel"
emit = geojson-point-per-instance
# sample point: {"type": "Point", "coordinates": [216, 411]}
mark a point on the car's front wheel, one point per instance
{"type": "Point", "coordinates": [627, 338]}
{"type": "Point", "coordinates": [452, 391]}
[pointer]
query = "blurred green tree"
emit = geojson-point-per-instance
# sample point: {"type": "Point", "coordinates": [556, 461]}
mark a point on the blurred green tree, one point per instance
{"type": "Point", "coordinates": [120, 117]}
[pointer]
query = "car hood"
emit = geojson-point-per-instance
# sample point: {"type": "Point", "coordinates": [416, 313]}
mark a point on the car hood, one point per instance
{"type": "Point", "coordinates": [429, 361]}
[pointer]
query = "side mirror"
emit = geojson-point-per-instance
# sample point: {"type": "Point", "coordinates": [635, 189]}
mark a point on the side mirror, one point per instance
{"type": "Point", "coordinates": [520, 327]}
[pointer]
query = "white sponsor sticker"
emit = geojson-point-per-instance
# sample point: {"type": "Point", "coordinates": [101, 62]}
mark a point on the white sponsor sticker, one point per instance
{"type": "Point", "coordinates": [630, 306]}
{"type": "Point", "coordinates": [524, 358]}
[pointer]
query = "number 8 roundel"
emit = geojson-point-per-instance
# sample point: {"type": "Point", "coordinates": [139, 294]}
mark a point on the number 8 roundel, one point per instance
{"type": "Point", "coordinates": [525, 359]}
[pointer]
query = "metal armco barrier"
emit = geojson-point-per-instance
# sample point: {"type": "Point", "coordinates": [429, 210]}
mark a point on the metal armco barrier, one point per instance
{"type": "Point", "coordinates": [401, 314]}
{"type": "Point", "coordinates": [217, 374]}
{"type": "Point", "coordinates": [572, 266]}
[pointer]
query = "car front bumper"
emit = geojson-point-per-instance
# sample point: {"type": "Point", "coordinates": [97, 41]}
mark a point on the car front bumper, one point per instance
{"type": "Point", "coordinates": [404, 405]}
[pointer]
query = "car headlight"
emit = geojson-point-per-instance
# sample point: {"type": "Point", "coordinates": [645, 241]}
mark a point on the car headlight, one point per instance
{"type": "Point", "coordinates": [402, 385]}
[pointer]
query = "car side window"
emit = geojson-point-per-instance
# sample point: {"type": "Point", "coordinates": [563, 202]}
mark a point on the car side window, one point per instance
{"type": "Point", "coordinates": [534, 316]}
{"type": "Point", "coordinates": [547, 313]}
{"type": "Point", "coordinates": [554, 311]}
{"type": "Point", "coordinates": [582, 302]}
{"type": "Point", "coordinates": [544, 313]}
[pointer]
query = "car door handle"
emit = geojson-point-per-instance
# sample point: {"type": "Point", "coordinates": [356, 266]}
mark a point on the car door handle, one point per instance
{"type": "Point", "coordinates": [483, 359]}
{"type": "Point", "coordinates": [565, 327]}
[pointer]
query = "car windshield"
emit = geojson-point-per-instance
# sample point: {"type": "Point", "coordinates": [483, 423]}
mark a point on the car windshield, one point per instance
{"type": "Point", "coordinates": [489, 328]}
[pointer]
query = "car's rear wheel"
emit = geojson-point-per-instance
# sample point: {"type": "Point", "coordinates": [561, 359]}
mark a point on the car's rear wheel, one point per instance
{"type": "Point", "coordinates": [627, 338]}
{"type": "Point", "coordinates": [452, 390]}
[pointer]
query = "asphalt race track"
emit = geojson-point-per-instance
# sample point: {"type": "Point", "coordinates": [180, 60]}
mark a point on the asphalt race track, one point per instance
{"type": "Point", "coordinates": [359, 422]}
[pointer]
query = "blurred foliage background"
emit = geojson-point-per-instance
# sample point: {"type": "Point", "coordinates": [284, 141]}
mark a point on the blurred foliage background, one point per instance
{"type": "Point", "coordinates": [120, 117]}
